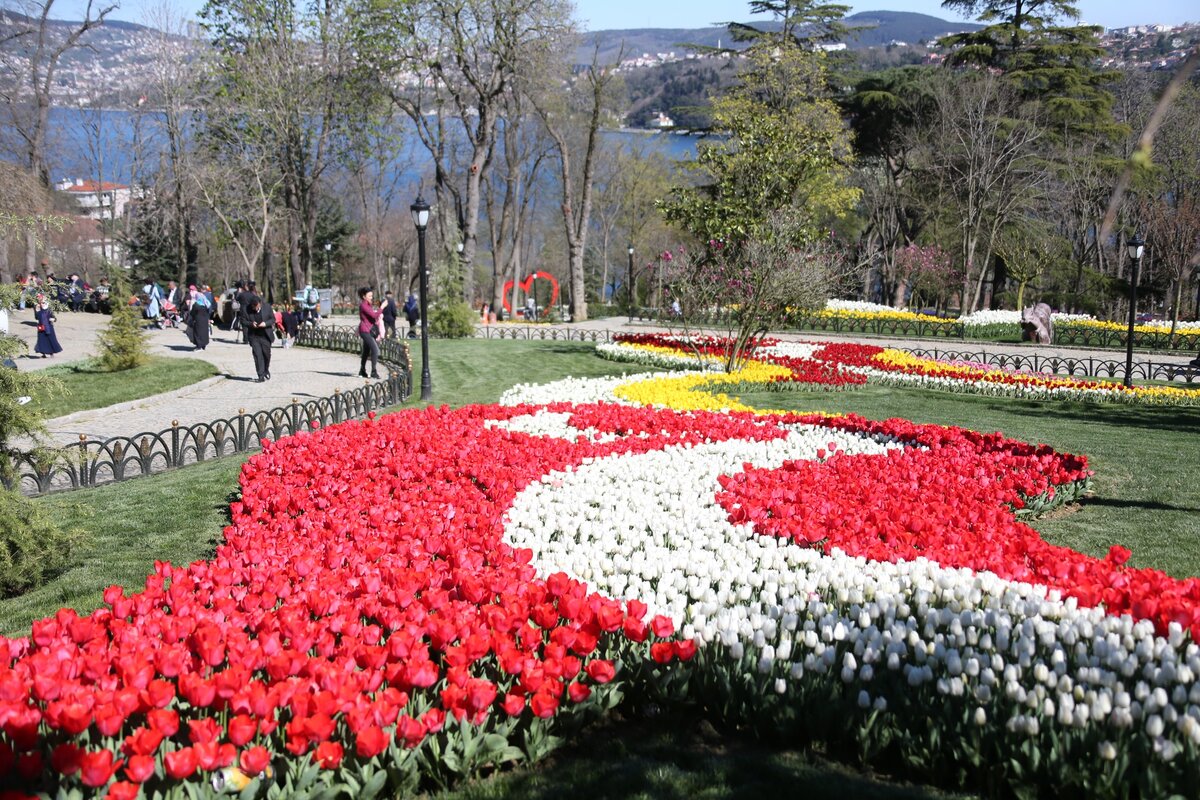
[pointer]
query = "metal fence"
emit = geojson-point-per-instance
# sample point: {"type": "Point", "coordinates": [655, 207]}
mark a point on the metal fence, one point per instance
{"type": "Point", "coordinates": [1066, 334]}
{"type": "Point", "coordinates": [546, 333]}
{"type": "Point", "coordinates": [1068, 366]}
{"type": "Point", "coordinates": [94, 462]}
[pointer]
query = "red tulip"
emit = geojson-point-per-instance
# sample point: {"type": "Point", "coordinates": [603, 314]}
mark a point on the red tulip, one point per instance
{"type": "Point", "coordinates": [370, 742]}
{"type": "Point", "coordinates": [328, 755]}
{"type": "Point", "coordinates": [139, 769]}
{"type": "Point", "coordinates": [97, 767]}
{"type": "Point", "coordinates": [181, 763]}
{"type": "Point", "coordinates": [254, 760]}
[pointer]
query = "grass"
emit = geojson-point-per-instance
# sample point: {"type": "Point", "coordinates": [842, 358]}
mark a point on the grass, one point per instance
{"type": "Point", "coordinates": [466, 371]}
{"type": "Point", "coordinates": [85, 386]}
{"type": "Point", "coordinates": [175, 516]}
{"type": "Point", "coordinates": [680, 757]}
{"type": "Point", "coordinates": [1147, 497]}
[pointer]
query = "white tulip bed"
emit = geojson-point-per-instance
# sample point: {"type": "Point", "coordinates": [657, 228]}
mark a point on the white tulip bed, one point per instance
{"type": "Point", "coordinates": [960, 676]}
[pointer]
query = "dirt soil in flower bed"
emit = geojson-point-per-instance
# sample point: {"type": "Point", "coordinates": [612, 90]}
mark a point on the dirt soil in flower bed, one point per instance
{"type": "Point", "coordinates": [683, 756]}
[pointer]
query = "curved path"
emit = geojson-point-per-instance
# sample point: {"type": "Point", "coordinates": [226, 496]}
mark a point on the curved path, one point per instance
{"type": "Point", "coordinates": [303, 373]}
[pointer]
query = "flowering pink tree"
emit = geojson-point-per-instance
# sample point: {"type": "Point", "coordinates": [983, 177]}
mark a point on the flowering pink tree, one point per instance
{"type": "Point", "coordinates": [926, 269]}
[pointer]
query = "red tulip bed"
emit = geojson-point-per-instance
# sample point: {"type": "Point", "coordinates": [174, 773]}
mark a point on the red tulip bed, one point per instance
{"type": "Point", "coordinates": [405, 601]}
{"type": "Point", "coordinates": [841, 365]}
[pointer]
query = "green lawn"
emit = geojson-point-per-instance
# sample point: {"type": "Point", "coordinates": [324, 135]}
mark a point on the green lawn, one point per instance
{"type": "Point", "coordinates": [682, 757]}
{"type": "Point", "coordinates": [1147, 498]}
{"type": "Point", "coordinates": [175, 516]}
{"type": "Point", "coordinates": [85, 386]}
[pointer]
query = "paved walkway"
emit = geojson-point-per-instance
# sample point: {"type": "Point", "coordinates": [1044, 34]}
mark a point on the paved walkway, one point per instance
{"type": "Point", "coordinates": [303, 373]}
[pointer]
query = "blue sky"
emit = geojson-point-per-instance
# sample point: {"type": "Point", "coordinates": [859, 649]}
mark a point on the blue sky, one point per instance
{"type": "Point", "coordinates": [601, 14]}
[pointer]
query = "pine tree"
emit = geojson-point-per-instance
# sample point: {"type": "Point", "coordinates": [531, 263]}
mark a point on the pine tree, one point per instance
{"type": "Point", "coordinates": [122, 342]}
{"type": "Point", "coordinates": [1049, 62]}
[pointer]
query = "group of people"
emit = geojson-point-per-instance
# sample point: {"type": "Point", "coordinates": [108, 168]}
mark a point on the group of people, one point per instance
{"type": "Point", "coordinates": [74, 293]}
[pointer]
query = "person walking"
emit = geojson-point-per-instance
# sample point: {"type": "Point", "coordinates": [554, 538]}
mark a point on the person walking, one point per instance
{"type": "Point", "coordinates": [259, 323]}
{"type": "Point", "coordinates": [153, 302]}
{"type": "Point", "coordinates": [47, 342]}
{"type": "Point", "coordinates": [368, 331]}
{"type": "Point", "coordinates": [412, 313]}
{"type": "Point", "coordinates": [243, 297]}
{"type": "Point", "coordinates": [390, 312]}
{"type": "Point", "coordinates": [311, 305]}
{"type": "Point", "coordinates": [198, 319]}
{"type": "Point", "coordinates": [235, 306]}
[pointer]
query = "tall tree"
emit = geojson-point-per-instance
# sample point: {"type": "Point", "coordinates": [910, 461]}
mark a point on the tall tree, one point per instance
{"type": "Point", "coordinates": [30, 55]}
{"type": "Point", "coordinates": [174, 92]}
{"type": "Point", "coordinates": [786, 148]}
{"type": "Point", "coordinates": [1051, 62]}
{"type": "Point", "coordinates": [572, 119]}
{"type": "Point", "coordinates": [511, 195]}
{"type": "Point", "coordinates": [447, 65]}
{"type": "Point", "coordinates": [291, 73]}
{"type": "Point", "coordinates": [982, 155]}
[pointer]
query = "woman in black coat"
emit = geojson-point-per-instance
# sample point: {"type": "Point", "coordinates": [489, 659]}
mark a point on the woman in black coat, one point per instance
{"type": "Point", "coordinates": [199, 316]}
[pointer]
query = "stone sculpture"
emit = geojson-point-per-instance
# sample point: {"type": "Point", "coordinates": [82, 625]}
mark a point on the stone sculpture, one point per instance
{"type": "Point", "coordinates": [1037, 325]}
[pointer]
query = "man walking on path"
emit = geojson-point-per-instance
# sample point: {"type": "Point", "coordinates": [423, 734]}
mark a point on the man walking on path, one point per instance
{"type": "Point", "coordinates": [259, 323]}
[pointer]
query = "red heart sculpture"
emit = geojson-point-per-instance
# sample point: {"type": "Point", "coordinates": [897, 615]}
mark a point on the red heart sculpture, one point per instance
{"type": "Point", "coordinates": [527, 285]}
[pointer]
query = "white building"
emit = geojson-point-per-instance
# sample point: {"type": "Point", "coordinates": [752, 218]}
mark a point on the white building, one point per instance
{"type": "Point", "coordinates": [98, 200]}
{"type": "Point", "coordinates": [661, 120]}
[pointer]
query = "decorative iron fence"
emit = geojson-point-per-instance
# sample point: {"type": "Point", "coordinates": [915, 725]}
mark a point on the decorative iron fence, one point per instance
{"type": "Point", "coordinates": [1076, 367]}
{"type": "Point", "coordinates": [548, 333]}
{"type": "Point", "coordinates": [1068, 335]}
{"type": "Point", "coordinates": [94, 462]}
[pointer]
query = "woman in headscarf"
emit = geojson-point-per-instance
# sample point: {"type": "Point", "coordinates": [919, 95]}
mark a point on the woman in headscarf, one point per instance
{"type": "Point", "coordinates": [47, 341]}
{"type": "Point", "coordinates": [199, 314]}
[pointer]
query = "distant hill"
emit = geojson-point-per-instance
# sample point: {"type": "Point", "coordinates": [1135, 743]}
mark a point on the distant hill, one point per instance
{"type": "Point", "coordinates": [876, 28]}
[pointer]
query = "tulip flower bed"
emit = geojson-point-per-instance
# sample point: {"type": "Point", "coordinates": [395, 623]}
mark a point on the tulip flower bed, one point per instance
{"type": "Point", "coordinates": [842, 365]}
{"type": "Point", "coordinates": [990, 324]}
{"type": "Point", "coordinates": [404, 601]}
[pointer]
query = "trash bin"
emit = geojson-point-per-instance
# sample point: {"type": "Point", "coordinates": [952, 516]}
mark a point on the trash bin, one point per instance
{"type": "Point", "coordinates": [325, 305]}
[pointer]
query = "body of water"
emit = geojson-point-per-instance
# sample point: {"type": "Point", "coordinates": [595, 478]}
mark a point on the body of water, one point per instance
{"type": "Point", "coordinates": [114, 144]}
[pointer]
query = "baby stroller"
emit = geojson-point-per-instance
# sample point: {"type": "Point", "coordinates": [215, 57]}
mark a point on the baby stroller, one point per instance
{"type": "Point", "coordinates": [170, 315]}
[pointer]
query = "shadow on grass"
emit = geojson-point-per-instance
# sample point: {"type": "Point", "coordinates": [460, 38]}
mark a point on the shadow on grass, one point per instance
{"type": "Point", "coordinates": [682, 758]}
{"type": "Point", "coordinates": [1112, 502]}
{"type": "Point", "coordinates": [1183, 419]}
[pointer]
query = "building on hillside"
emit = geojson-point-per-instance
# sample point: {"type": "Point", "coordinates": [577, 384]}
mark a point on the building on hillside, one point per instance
{"type": "Point", "coordinates": [660, 120]}
{"type": "Point", "coordinates": [101, 200]}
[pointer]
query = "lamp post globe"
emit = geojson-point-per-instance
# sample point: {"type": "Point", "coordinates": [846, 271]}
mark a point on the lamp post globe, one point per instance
{"type": "Point", "coordinates": [1135, 247]}
{"type": "Point", "coordinates": [420, 217]}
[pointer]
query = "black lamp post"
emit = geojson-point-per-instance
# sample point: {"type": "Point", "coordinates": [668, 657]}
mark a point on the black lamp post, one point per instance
{"type": "Point", "coordinates": [1195, 362]}
{"type": "Point", "coordinates": [630, 251]}
{"type": "Point", "coordinates": [1134, 247]}
{"type": "Point", "coordinates": [420, 215]}
{"type": "Point", "coordinates": [328, 265]}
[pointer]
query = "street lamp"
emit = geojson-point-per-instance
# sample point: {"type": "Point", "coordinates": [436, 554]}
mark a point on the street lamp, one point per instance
{"type": "Point", "coordinates": [328, 266]}
{"type": "Point", "coordinates": [420, 216]}
{"type": "Point", "coordinates": [1195, 362]}
{"type": "Point", "coordinates": [630, 251]}
{"type": "Point", "coordinates": [1134, 248]}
